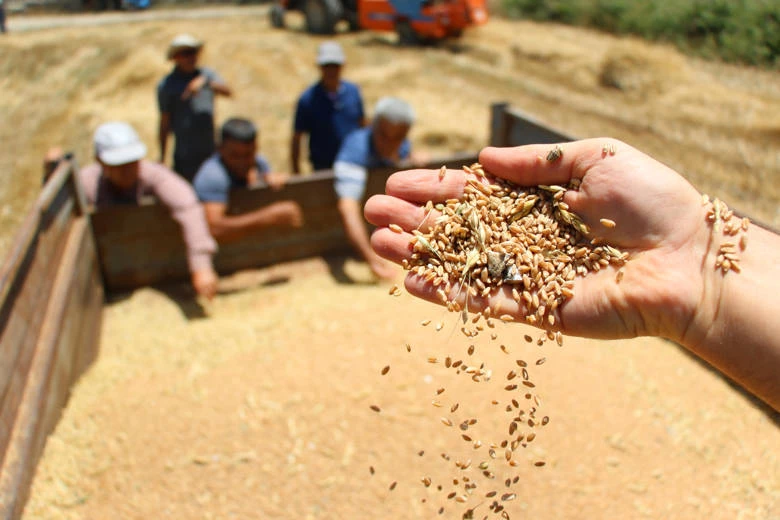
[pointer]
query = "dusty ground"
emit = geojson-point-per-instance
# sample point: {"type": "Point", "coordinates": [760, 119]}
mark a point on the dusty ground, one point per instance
{"type": "Point", "coordinates": [718, 124]}
{"type": "Point", "coordinates": [262, 411]}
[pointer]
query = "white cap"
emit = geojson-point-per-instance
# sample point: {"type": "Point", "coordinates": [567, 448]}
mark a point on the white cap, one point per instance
{"type": "Point", "coordinates": [394, 110]}
{"type": "Point", "coordinates": [183, 41]}
{"type": "Point", "coordinates": [117, 143]}
{"type": "Point", "coordinates": [330, 53]}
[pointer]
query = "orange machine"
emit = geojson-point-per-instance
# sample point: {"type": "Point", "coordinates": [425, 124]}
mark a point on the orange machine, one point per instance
{"type": "Point", "coordinates": [421, 20]}
{"type": "Point", "coordinates": [415, 21]}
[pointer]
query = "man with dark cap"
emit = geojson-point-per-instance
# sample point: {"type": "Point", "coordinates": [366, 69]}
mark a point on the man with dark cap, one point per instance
{"type": "Point", "coordinates": [186, 102]}
{"type": "Point", "coordinates": [238, 165]}
{"type": "Point", "coordinates": [327, 111]}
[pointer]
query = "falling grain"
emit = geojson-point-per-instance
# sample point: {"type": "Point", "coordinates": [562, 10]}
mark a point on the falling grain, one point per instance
{"type": "Point", "coordinates": [607, 223]}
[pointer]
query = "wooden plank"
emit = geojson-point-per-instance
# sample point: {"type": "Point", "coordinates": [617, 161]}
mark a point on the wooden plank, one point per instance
{"type": "Point", "coordinates": [67, 342]}
{"type": "Point", "coordinates": [142, 245]}
{"type": "Point", "coordinates": [513, 127]}
{"type": "Point", "coordinates": [27, 234]}
{"type": "Point", "coordinates": [27, 284]}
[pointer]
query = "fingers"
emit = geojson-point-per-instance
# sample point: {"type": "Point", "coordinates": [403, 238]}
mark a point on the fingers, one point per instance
{"type": "Point", "coordinates": [383, 210]}
{"type": "Point", "coordinates": [391, 245]}
{"type": "Point", "coordinates": [420, 186]}
{"type": "Point", "coordinates": [535, 164]}
{"type": "Point", "coordinates": [500, 301]}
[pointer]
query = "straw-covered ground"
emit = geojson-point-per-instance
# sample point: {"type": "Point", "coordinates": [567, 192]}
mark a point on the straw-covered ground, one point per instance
{"type": "Point", "coordinates": [262, 409]}
{"type": "Point", "coordinates": [717, 124]}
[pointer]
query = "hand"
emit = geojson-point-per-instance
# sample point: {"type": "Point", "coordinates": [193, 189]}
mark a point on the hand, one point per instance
{"type": "Point", "coordinates": [276, 180]}
{"type": "Point", "coordinates": [287, 213]}
{"type": "Point", "coordinates": [194, 86]}
{"type": "Point", "coordinates": [381, 268]}
{"type": "Point", "coordinates": [660, 222]}
{"type": "Point", "coordinates": [204, 281]}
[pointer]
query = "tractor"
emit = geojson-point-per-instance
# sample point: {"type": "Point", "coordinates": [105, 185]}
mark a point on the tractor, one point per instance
{"type": "Point", "coordinates": [415, 21]}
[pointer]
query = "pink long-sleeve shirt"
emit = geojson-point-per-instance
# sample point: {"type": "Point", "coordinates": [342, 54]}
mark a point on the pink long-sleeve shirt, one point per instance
{"type": "Point", "coordinates": [171, 190]}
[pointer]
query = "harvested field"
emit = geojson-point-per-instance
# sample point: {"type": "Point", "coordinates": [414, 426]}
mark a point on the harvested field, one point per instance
{"type": "Point", "coordinates": [717, 124]}
{"type": "Point", "coordinates": [263, 409]}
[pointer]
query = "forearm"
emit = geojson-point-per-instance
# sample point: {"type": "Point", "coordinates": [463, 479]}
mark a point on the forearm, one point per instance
{"type": "Point", "coordinates": [229, 228]}
{"type": "Point", "coordinates": [355, 227]}
{"type": "Point", "coordinates": [223, 89]}
{"type": "Point", "coordinates": [738, 329]}
{"type": "Point", "coordinates": [197, 237]}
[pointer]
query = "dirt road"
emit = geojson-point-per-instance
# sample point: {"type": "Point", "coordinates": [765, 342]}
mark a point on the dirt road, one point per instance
{"type": "Point", "coordinates": [26, 23]}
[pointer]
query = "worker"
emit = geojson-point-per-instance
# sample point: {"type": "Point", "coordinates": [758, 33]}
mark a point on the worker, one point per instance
{"type": "Point", "coordinates": [670, 286]}
{"type": "Point", "coordinates": [327, 111]}
{"type": "Point", "coordinates": [384, 143]}
{"type": "Point", "coordinates": [186, 102]}
{"type": "Point", "coordinates": [2, 17]}
{"type": "Point", "coordinates": [121, 175]}
{"type": "Point", "coordinates": [237, 164]}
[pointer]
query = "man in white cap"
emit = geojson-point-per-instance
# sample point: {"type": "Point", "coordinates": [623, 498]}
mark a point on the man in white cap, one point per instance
{"type": "Point", "coordinates": [186, 101]}
{"type": "Point", "coordinates": [327, 111]}
{"type": "Point", "coordinates": [120, 175]}
{"type": "Point", "coordinates": [384, 143]}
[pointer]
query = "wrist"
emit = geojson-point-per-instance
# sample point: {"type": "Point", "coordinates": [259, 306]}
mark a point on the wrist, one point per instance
{"type": "Point", "coordinates": [722, 286]}
{"type": "Point", "coordinates": [707, 302]}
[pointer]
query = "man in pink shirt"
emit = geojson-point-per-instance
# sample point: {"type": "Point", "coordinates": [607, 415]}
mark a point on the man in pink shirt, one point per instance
{"type": "Point", "coordinates": [122, 176]}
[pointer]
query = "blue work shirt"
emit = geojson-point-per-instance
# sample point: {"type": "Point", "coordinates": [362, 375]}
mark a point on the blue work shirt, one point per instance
{"type": "Point", "coordinates": [356, 156]}
{"type": "Point", "coordinates": [213, 182]}
{"type": "Point", "coordinates": [328, 119]}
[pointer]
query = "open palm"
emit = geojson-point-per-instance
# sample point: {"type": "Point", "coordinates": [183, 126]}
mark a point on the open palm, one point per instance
{"type": "Point", "coordinates": [660, 222]}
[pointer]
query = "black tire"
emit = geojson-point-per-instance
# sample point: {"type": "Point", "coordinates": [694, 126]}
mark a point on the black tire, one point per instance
{"type": "Point", "coordinates": [321, 15]}
{"type": "Point", "coordinates": [406, 34]}
{"type": "Point", "coordinates": [277, 16]}
{"type": "Point", "coordinates": [352, 20]}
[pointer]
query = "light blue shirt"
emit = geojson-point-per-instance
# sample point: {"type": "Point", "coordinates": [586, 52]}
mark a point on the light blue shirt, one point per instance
{"type": "Point", "coordinates": [213, 182]}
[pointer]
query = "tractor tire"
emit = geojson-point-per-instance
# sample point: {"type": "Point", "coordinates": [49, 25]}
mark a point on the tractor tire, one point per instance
{"type": "Point", "coordinates": [406, 34]}
{"type": "Point", "coordinates": [352, 20]}
{"type": "Point", "coordinates": [321, 15]}
{"type": "Point", "coordinates": [277, 16]}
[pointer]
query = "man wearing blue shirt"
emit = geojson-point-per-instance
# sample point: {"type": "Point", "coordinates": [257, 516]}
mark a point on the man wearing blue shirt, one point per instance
{"type": "Point", "coordinates": [238, 165]}
{"type": "Point", "coordinates": [384, 143]}
{"type": "Point", "coordinates": [327, 111]}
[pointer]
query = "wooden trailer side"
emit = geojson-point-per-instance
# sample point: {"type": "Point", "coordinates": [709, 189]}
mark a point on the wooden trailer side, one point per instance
{"type": "Point", "coordinates": [142, 245]}
{"type": "Point", "coordinates": [51, 299]}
